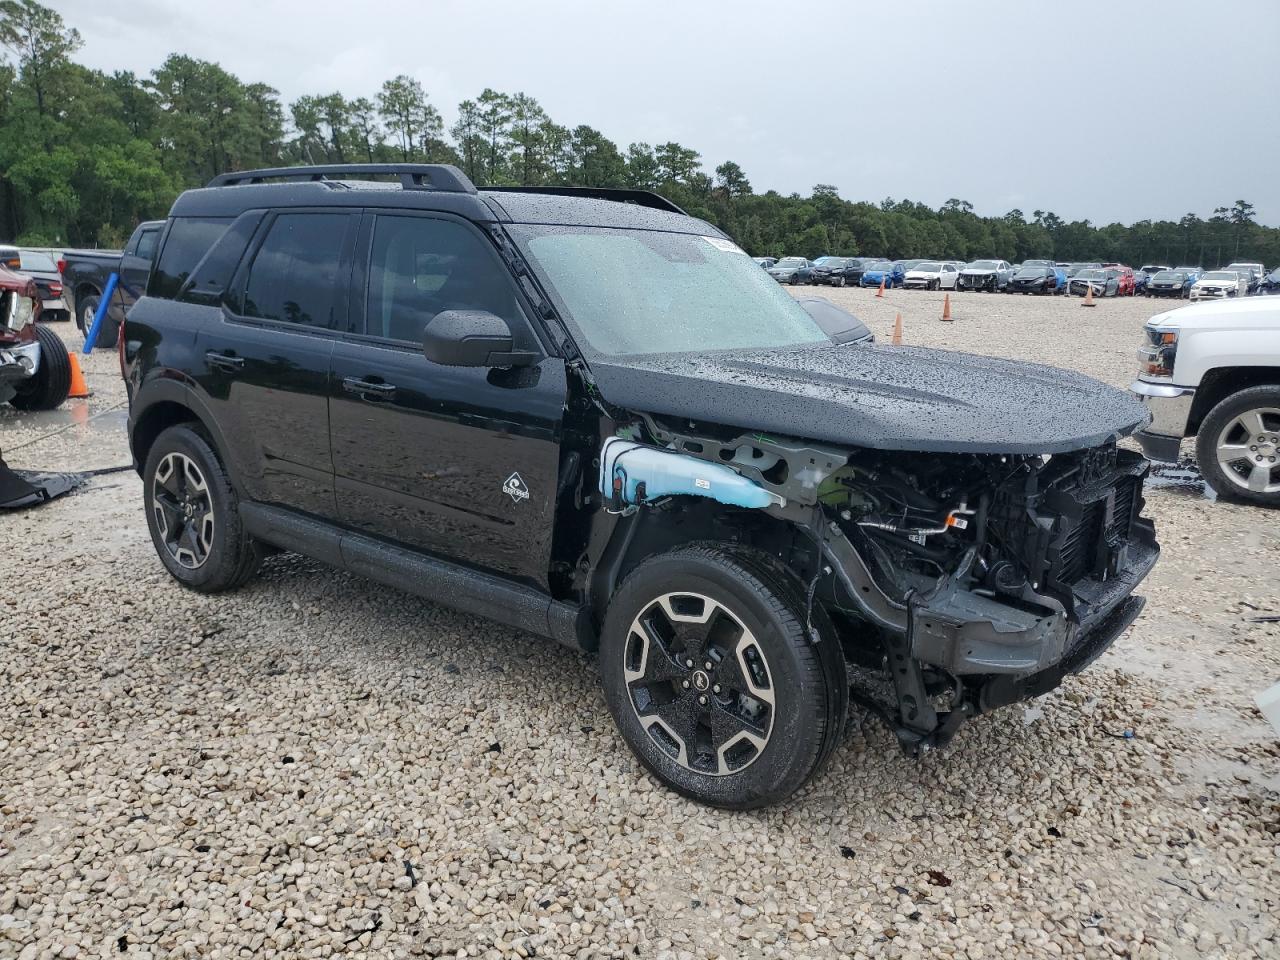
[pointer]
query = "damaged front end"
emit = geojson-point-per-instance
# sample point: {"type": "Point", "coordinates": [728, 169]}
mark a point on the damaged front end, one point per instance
{"type": "Point", "coordinates": [958, 582]}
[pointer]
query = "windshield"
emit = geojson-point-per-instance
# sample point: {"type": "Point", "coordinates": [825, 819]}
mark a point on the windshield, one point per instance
{"type": "Point", "coordinates": [1037, 263]}
{"type": "Point", "coordinates": [642, 291]}
{"type": "Point", "coordinates": [1091, 275]}
{"type": "Point", "coordinates": [1029, 273]}
{"type": "Point", "coordinates": [834, 263]}
{"type": "Point", "coordinates": [982, 265]}
{"type": "Point", "coordinates": [1221, 275]}
{"type": "Point", "coordinates": [928, 266]}
{"type": "Point", "coordinates": [790, 262]}
{"type": "Point", "coordinates": [38, 261]}
{"type": "Point", "coordinates": [1168, 275]}
{"type": "Point", "coordinates": [878, 266]}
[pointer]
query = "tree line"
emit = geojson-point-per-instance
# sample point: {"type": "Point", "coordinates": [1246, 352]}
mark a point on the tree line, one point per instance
{"type": "Point", "coordinates": [85, 155]}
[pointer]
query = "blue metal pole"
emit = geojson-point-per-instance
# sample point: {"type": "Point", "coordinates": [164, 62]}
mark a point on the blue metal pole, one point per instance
{"type": "Point", "coordinates": [104, 305]}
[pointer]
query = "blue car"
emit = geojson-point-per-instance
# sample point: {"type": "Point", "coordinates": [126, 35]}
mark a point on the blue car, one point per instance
{"type": "Point", "coordinates": [882, 270]}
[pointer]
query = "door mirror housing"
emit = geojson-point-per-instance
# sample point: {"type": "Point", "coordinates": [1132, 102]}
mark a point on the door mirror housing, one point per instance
{"type": "Point", "coordinates": [472, 338]}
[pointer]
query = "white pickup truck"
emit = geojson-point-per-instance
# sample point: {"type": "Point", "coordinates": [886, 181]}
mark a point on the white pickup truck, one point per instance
{"type": "Point", "coordinates": [1212, 371]}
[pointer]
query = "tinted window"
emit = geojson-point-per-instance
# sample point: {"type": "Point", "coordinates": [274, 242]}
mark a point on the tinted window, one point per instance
{"type": "Point", "coordinates": [188, 241]}
{"type": "Point", "coordinates": [294, 276]}
{"type": "Point", "coordinates": [420, 266]}
{"type": "Point", "coordinates": [147, 244]}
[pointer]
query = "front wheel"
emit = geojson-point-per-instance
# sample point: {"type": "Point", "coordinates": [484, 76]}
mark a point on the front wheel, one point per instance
{"type": "Point", "coordinates": [193, 513]}
{"type": "Point", "coordinates": [1238, 446]}
{"type": "Point", "coordinates": [48, 389]}
{"type": "Point", "coordinates": [715, 680]}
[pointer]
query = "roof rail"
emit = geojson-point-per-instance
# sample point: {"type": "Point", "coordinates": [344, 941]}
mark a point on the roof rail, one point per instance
{"type": "Point", "coordinates": [413, 176]}
{"type": "Point", "coordinates": [641, 198]}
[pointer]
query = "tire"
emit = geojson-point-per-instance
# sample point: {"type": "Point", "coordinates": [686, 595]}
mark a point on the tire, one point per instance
{"type": "Point", "coordinates": [220, 553]}
{"type": "Point", "coordinates": [85, 312]}
{"type": "Point", "coordinates": [759, 648]}
{"type": "Point", "coordinates": [48, 389]}
{"type": "Point", "coordinates": [1238, 421]}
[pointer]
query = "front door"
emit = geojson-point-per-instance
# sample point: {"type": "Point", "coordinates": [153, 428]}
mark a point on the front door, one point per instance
{"type": "Point", "coordinates": [266, 363]}
{"type": "Point", "coordinates": [461, 462]}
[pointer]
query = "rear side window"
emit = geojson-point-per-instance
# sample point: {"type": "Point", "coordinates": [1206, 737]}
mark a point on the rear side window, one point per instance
{"type": "Point", "coordinates": [147, 244]}
{"type": "Point", "coordinates": [294, 276]}
{"type": "Point", "coordinates": [188, 241]}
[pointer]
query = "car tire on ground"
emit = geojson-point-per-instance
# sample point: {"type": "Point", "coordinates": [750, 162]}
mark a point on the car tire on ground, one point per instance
{"type": "Point", "coordinates": [1238, 446]}
{"type": "Point", "coordinates": [48, 389]}
{"type": "Point", "coordinates": [86, 310]}
{"type": "Point", "coordinates": [714, 677]}
{"type": "Point", "coordinates": [193, 513]}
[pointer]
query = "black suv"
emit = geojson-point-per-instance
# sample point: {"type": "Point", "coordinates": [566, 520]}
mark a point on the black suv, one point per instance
{"type": "Point", "coordinates": [588, 415]}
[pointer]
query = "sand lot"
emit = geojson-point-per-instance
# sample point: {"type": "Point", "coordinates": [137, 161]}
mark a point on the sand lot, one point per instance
{"type": "Point", "coordinates": [319, 766]}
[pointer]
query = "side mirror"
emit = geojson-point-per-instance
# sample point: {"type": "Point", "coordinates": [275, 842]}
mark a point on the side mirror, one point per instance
{"type": "Point", "coordinates": [471, 338]}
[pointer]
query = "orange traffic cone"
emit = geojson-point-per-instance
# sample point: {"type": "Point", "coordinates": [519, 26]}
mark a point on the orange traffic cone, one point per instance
{"type": "Point", "coordinates": [1088, 296]}
{"type": "Point", "coordinates": [880, 292]}
{"type": "Point", "coordinates": [897, 330]}
{"type": "Point", "coordinates": [79, 389]}
{"type": "Point", "coordinates": [946, 307]}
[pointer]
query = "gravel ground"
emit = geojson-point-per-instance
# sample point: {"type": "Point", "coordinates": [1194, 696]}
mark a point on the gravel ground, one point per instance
{"type": "Point", "coordinates": [316, 766]}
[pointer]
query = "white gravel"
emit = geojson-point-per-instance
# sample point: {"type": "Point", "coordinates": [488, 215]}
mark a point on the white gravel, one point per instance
{"type": "Point", "coordinates": [319, 766]}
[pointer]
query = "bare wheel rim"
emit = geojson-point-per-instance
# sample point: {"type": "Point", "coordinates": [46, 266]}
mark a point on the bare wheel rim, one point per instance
{"type": "Point", "coordinates": [1248, 450]}
{"type": "Point", "coordinates": [699, 683]}
{"type": "Point", "coordinates": [183, 510]}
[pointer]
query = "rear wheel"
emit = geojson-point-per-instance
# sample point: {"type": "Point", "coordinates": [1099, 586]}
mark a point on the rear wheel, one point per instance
{"type": "Point", "coordinates": [86, 310]}
{"type": "Point", "coordinates": [1238, 446]}
{"type": "Point", "coordinates": [193, 513]}
{"type": "Point", "coordinates": [715, 680]}
{"type": "Point", "coordinates": [52, 382]}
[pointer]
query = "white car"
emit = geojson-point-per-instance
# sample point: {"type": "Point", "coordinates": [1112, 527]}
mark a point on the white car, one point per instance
{"type": "Point", "coordinates": [1212, 371]}
{"type": "Point", "coordinates": [1252, 272]}
{"type": "Point", "coordinates": [1217, 284]}
{"type": "Point", "coordinates": [932, 275]}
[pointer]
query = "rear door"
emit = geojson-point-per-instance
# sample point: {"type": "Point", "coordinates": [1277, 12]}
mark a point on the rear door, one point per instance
{"type": "Point", "coordinates": [135, 266]}
{"type": "Point", "coordinates": [461, 462]}
{"type": "Point", "coordinates": [266, 357]}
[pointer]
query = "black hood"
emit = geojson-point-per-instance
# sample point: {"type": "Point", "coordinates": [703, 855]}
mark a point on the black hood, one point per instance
{"type": "Point", "coordinates": [882, 397]}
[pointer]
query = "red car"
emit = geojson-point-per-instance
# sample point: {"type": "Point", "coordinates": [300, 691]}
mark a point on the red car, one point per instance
{"type": "Point", "coordinates": [35, 371]}
{"type": "Point", "coordinates": [1128, 280]}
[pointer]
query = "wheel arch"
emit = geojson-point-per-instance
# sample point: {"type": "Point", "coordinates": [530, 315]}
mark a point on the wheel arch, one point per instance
{"type": "Point", "coordinates": [1219, 383]}
{"type": "Point", "coordinates": [648, 533]}
{"type": "Point", "coordinates": [166, 403]}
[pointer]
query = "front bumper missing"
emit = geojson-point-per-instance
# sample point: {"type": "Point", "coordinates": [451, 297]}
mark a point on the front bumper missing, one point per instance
{"type": "Point", "coordinates": [19, 362]}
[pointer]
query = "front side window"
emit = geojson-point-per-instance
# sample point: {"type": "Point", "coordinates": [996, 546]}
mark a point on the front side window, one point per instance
{"type": "Point", "coordinates": [648, 292]}
{"type": "Point", "coordinates": [420, 266]}
{"type": "Point", "coordinates": [294, 275]}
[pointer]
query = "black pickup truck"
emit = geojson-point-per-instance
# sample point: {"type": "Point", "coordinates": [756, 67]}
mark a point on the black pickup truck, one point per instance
{"type": "Point", "coordinates": [86, 271]}
{"type": "Point", "coordinates": [589, 415]}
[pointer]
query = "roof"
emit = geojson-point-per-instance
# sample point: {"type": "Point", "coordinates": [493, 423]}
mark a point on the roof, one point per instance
{"type": "Point", "coordinates": [433, 187]}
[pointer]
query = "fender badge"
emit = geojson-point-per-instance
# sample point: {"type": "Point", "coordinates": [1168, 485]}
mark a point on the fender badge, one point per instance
{"type": "Point", "coordinates": [514, 488]}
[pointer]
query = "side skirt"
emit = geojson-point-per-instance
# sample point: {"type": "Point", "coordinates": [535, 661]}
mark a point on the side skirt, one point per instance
{"type": "Point", "coordinates": [449, 584]}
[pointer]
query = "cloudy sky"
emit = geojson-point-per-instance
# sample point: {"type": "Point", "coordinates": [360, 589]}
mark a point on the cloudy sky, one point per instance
{"type": "Point", "coordinates": [1099, 110]}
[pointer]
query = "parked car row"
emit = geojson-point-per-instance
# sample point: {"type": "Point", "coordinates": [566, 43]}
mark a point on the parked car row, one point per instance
{"type": "Point", "coordinates": [1028, 277]}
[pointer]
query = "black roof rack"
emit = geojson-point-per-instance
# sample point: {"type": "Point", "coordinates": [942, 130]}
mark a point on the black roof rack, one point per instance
{"type": "Point", "coordinates": [413, 176]}
{"type": "Point", "coordinates": [641, 198]}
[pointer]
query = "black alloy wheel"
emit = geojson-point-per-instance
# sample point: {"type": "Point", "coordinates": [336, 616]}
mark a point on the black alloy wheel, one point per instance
{"type": "Point", "coordinates": [714, 677]}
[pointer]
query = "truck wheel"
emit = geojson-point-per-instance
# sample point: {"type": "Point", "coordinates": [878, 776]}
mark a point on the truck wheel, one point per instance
{"type": "Point", "coordinates": [714, 679]}
{"type": "Point", "coordinates": [1238, 446]}
{"type": "Point", "coordinates": [194, 514]}
{"type": "Point", "coordinates": [49, 387]}
{"type": "Point", "coordinates": [86, 310]}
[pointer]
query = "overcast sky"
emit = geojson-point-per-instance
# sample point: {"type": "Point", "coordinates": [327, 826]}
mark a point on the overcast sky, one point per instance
{"type": "Point", "coordinates": [1099, 110]}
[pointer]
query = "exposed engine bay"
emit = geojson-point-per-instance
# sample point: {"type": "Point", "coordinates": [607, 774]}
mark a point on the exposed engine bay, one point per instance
{"type": "Point", "coordinates": [959, 582]}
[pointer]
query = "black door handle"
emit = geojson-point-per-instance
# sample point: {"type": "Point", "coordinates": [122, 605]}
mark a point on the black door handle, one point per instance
{"type": "Point", "coordinates": [224, 361]}
{"type": "Point", "coordinates": [368, 389]}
